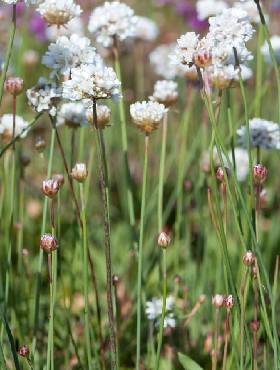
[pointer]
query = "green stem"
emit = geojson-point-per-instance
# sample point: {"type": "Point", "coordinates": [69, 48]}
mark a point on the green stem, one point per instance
{"type": "Point", "coordinates": [259, 73]}
{"type": "Point", "coordinates": [85, 278]}
{"type": "Point", "coordinates": [140, 254]}
{"type": "Point", "coordinates": [163, 308]}
{"type": "Point", "coordinates": [161, 172]}
{"type": "Point", "coordinates": [8, 52]}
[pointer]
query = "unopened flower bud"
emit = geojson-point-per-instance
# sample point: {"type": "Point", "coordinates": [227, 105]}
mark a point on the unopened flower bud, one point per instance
{"type": "Point", "coordinates": [14, 85]}
{"type": "Point", "coordinates": [202, 298]}
{"type": "Point", "coordinates": [249, 258]}
{"type": "Point", "coordinates": [255, 325]}
{"type": "Point", "coordinates": [31, 58]}
{"type": "Point", "coordinates": [40, 144]}
{"type": "Point", "coordinates": [220, 174]}
{"type": "Point", "coordinates": [202, 59]}
{"type": "Point", "coordinates": [79, 172]}
{"type": "Point", "coordinates": [229, 302]}
{"type": "Point", "coordinates": [115, 279]}
{"type": "Point", "coordinates": [164, 239]}
{"type": "Point", "coordinates": [59, 178]}
{"type": "Point", "coordinates": [177, 279]}
{"type": "Point", "coordinates": [259, 174]}
{"type": "Point", "coordinates": [254, 272]}
{"type": "Point", "coordinates": [48, 243]}
{"type": "Point", "coordinates": [218, 300]}
{"type": "Point", "coordinates": [24, 351]}
{"type": "Point", "coordinates": [50, 188]}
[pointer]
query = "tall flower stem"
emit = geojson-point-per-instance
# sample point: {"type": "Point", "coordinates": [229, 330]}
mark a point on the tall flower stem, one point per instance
{"type": "Point", "coordinates": [216, 338]}
{"type": "Point", "coordinates": [255, 331]}
{"type": "Point", "coordinates": [242, 319]}
{"type": "Point", "coordinates": [104, 184]}
{"type": "Point", "coordinates": [129, 195]}
{"type": "Point", "coordinates": [163, 308]}
{"type": "Point", "coordinates": [227, 334]}
{"type": "Point", "coordinates": [85, 278]}
{"type": "Point", "coordinates": [161, 172]}
{"type": "Point", "coordinates": [40, 260]}
{"type": "Point", "coordinates": [140, 254]}
{"type": "Point", "coordinates": [8, 52]}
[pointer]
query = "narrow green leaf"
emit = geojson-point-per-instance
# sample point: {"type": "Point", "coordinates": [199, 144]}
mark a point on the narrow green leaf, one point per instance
{"type": "Point", "coordinates": [188, 363]}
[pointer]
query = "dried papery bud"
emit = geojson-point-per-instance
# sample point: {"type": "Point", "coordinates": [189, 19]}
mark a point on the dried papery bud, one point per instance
{"type": "Point", "coordinates": [24, 351]}
{"type": "Point", "coordinates": [40, 144]}
{"type": "Point", "coordinates": [14, 85]}
{"type": "Point", "coordinates": [202, 58]}
{"type": "Point", "coordinates": [220, 175]}
{"type": "Point", "coordinates": [25, 160]}
{"type": "Point", "coordinates": [259, 174]}
{"type": "Point", "coordinates": [255, 325]}
{"type": "Point", "coordinates": [229, 302]}
{"type": "Point", "coordinates": [48, 243]}
{"type": "Point", "coordinates": [202, 298]}
{"type": "Point", "coordinates": [115, 279]}
{"type": "Point", "coordinates": [164, 239]}
{"type": "Point", "coordinates": [249, 258]}
{"type": "Point", "coordinates": [79, 172]}
{"type": "Point", "coordinates": [218, 300]}
{"type": "Point", "coordinates": [50, 188]}
{"type": "Point", "coordinates": [59, 178]}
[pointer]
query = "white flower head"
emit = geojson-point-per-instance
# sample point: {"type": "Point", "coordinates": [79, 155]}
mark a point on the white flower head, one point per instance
{"type": "Point", "coordinates": [72, 115]}
{"type": "Point", "coordinates": [147, 115]}
{"type": "Point", "coordinates": [44, 96]}
{"type": "Point", "coordinates": [165, 92]}
{"type": "Point", "coordinates": [241, 162]}
{"type": "Point", "coordinates": [263, 134]}
{"type": "Point", "coordinates": [75, 26]}
{"type": "Point", "coordinates": [231, 29]}
{"type": "Point", "coordinates": [59, 12]}
{"type": "Point", "coordinates": [224, 76]}
{"type": "Point", "coordinates": [250, 7]}
{"type": "Point", "coordinates": [275, 43]}
{"type": "Point", "coordinates": [146, 29]}
{"type": "Point", "coordinates": [154, 311]}
{"type": "Point", "coordinates": [103, 115]}
{"type": "Point", "coordinates": [6, 127]}
{"type": "Point", "coordinates": [186, 47]}
{"type": "Point", "coordinates": [159, 58]}
{"type": "Point", "coordinates": [208, 8]}
{"type": "Point", "coordinates": [92, 81]}
{"type": "Point", "coordinates": [112, 20]}
{"type": "Point", "coordinates": [68, 53]}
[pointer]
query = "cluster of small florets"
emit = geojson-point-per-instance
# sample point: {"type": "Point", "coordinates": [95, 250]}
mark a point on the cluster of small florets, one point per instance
{"type": "Point", "coordinates": [147, 115]}
{"type": "Point", "coordinates": [154, 311]}
{"type": "Point", "coordinates": [263, 134]}
{"type": "Point", "coordinates": [165, 92]}
{"type": "Point", "coordinates": [72, 115]}
{"type": "Point", "coordinates": [112, 21]}
{"type": "Point", "coordinates": [59, 12]}
{"type": "Point", "coordinates": [6, 127]}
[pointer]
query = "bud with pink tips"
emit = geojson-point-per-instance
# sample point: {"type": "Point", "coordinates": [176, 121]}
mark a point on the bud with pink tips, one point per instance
{"type": "Point", "coordinates": [50, 187]}
{"type": "Point", "coordinates": [259, 174]}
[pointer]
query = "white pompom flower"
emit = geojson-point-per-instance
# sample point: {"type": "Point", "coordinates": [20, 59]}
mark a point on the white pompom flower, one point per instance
{"type": "Point", "coordinates": [6, 127]}
{"type": "Point", "coordinates": [209, 8]}
{"type": "Point", "coordinates": [165, 92]}
{"type": "Point", "coordinates": [59, 12]}
{"type": "Point", "coordinates": [275, 43]}
{"type": "Point", "coordinates": [112, 20]}
{"type": "Point", "coordinates": [147, 115]}
{"type": "Point", "coordinates": [72, 115]}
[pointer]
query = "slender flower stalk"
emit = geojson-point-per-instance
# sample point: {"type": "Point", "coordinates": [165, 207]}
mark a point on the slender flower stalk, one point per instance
{"type": "Point", "coordinates": [8, 52]}
{"type": "Point", "coordinates": [85, 278]}
{"type": "Point", "coordinates": [161, 172]}
{"type": "Point", "coordinates": [140, 249]}
{"type": "Point", "coordinates": [227, 334]}
{"type": "Point", "coordinates": [104, 184]}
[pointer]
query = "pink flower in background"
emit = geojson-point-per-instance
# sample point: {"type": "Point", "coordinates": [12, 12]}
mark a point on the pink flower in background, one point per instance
{"type": "Point", "coordinates": [37, 26]}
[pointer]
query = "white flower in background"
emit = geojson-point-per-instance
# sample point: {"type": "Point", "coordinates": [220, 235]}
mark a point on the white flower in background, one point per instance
{"type": "Point", "coordinates": [59, 12]}
{"type": "Point", "coordinates": [68, 53]}
{"type": "Point", "coordinates": [33, 2]}
{"type": "Point", "coordinates": [154, 311]}
{"type": "Point", "coordinates": [91, 81]}
{"type": "Point", "coordinates": [241, 162]}
{"type": "Point", "coordinates": [74, 26]}
{"type": "Point", "coordinates": [146, 29]}
{"type": "Point", "coordinates": [103, 115]}
{"type": "Point", "coordinates": [186, 47]}
{"type": "Point", "coordinates": [250, 7]}
{"type": "Point", "coordinates": [263, 134]}
{"type": "Point", "coordinates": [6, 127]}
{"type": "Point", "coordinates": [275, 43]}
{"type": "Point", "coordinates": [11, 1]}
{"type": "Point", "coordinates": [159, 58]}
{"type": "Point", "coordinates": [231, 29]}
{"type": "Point", "coordinates": [165, 92]}
{"type": "Point", "coordinates": [72, 115]}
{"type": "Point", "coordinates": [44, 96]}
{"type": "Point", "coordinates": [224, 76]}
{"type": "Point", "coordinates": [112, 20]}
{"type": "Point", "coordinates": [147, 115]}
{"type": "Point", "coordinates": [208, 8]}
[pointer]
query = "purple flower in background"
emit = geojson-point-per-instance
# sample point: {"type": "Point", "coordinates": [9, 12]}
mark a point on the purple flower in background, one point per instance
{"type": "Point", "coordinates": [37, 26]}
{"type": "Point", "coordinates": [188, 12]}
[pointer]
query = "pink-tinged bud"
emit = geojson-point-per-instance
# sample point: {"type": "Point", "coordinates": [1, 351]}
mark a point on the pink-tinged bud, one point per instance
{"type": "Point", "coordinates": [50, 188]}
{"type": "Point", "coordinates": [254, 272]}
{"type": "Point", "coordinates": [48, 243]}
{"type": "Point", "coordinates": [259, 174]}
{"type": "Point", "coordinates": [202, 58]}
{"type": "Point", "coordinates": [164, 239]}
{"type": "Point", "coordinates": [220, 174]}
{"type": "Point", "coordinates": [218, 300]}
{"type": "Point", "coordinates": [249, 258]}
{"type": "Point", "coordinates": [79, 172]}
{"type": "Point", "coordinates": [24, 351]}
{"type": "Point", "coordinates": [59, 178]}
{"type": "Point", "coordinates": [115, 279]}
{"type": "Point", "coordinates": [40, 144]}
{"type": "Point", "coordinates": [14, 85]}
{"type": "Point", "coordinates": [255, 325]}
{"type": "Point", "coordinates": [229, 302]}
